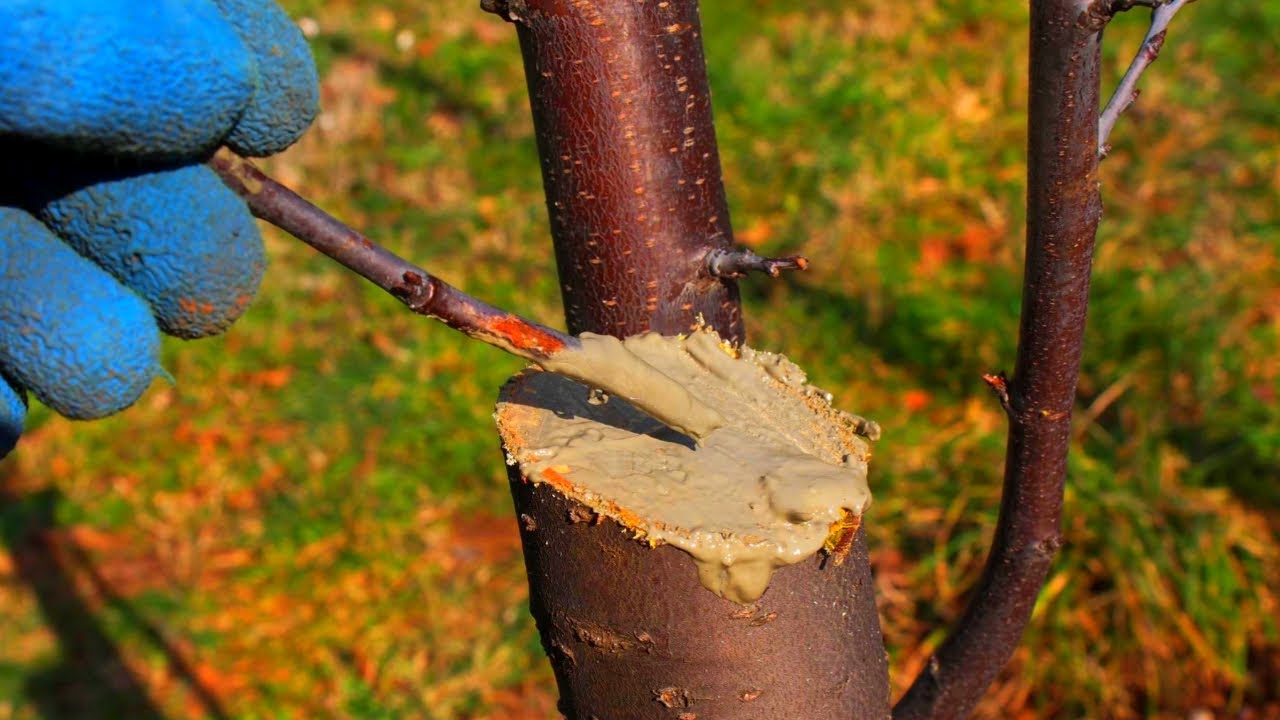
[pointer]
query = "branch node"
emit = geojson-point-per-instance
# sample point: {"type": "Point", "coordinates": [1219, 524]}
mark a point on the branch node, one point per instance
{"type": "Point", "coordinates": [1100, 12]}
{"type": "Point", "coordinates": [510, 10]}
{"type": "Point", "coordinates": [1162, 11]}
{"type": "Point", "coordinates": [1047, 548]}
{"type": "Point", "coordinates": [1152, 46]}
{"type": "Point", "coordinates": [1137, 92]}
{"type": "Point", "coordinates": [999, 384]}
{"type": "Point", "coordinates": [737, 262]}
{"type": "Point", "coordinates": [1054, 415]}
{"type": "Point", "coordinates": [413, 290]}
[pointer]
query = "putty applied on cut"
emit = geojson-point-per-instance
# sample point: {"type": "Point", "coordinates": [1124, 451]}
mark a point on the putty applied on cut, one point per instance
{"type": "Point", "coordinates": [779, 474]}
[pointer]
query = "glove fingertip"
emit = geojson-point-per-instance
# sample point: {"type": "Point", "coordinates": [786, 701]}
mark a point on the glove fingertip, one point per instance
{"type": "Point", "coordinates": [79, 341]}
{"type": "Point", "coordinates": [287, 96]}
{"type": "Point", "coordinates": [178, 237]}
{"type": "Point", "coordinates": [155, 79]}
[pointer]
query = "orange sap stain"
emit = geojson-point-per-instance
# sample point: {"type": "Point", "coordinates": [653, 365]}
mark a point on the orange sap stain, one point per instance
{"type": "Point", "coordinates": [523, 335]}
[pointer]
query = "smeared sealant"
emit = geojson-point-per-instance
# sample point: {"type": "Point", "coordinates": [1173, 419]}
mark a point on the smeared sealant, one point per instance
{"type": "Point", "coordinates": [761, 491]}
{"type": "Point", "coordinates": [605, 362]}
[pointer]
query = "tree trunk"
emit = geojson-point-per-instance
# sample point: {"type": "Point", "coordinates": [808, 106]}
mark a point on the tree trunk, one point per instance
{"type": "Point", "coordinates": [622, 112]}
{"type": "Point", "coordinates": [632, 634]}
{"type": "Point", "coordinates": [630, 167]}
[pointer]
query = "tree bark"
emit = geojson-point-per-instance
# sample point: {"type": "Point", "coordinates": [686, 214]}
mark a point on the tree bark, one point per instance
{"type": "Point", "coordinates": [630, 167]}
{"type": "Point", "coordinates": [1063, 210]}
{"type": "Point", "coordinates": [622, 112]}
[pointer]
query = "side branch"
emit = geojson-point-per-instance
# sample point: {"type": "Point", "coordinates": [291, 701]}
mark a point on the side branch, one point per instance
{"type": "Point", "coordinates": [1127, 90]}
{"type": "Point", "coordinates": [422, 292]}
{"type": "Point", "coordinates": [1063, 209]}
{"type": "Point", "coordinates": [737, 262]}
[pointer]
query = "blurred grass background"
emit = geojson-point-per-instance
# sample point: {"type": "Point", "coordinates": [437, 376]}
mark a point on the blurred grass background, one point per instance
{"type": "Point", "coordinates": [313, 522]}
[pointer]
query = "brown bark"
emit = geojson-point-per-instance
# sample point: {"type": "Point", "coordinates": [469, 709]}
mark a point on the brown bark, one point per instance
{"type": "Point", "coordinates": [630, 167]}
{"type": "Point", "coordinates": [622, 112]}
{"type": "Point", "coordinates": [1063, 210]}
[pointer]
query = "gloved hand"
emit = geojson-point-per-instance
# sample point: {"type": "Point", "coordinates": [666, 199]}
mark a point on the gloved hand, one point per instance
{"type": "Point", "coordinates": [111, 229]}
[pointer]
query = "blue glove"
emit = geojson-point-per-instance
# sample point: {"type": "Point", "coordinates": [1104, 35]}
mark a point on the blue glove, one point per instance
{"type": "Point", "coordinates": [111, 229]}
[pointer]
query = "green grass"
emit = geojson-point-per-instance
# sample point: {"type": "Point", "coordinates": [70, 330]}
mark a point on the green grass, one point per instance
{"type": "Point", "coordinates": [315, 516]}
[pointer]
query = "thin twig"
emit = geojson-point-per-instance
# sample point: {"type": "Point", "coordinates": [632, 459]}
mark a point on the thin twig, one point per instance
{"type": "Point", "coordinates": [420, 290]}
{"type": "Point", "coordinates": [738, 261]}
{"type": "Point", "coordinates": [1127, 90]}
{"type": "Point", "coordinates": [1101, 403]}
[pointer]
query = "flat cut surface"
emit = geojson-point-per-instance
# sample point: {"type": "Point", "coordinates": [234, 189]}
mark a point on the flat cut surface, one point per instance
{"type": "Point", "coordinates": [762, 491]}
{"type": "Point", "coordinates": [610, 364]}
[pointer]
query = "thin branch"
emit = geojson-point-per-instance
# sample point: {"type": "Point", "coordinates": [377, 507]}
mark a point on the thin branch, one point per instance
{"type": "Point", "coordinates": [1102, 402]}
{"type": "Point", "coordinates": [1063, 209]}
{"type": "Point", "coordinates": [1127, 90]}
{"type": "Point", "coordinates": [738, 261]}
{"type": "Point", "coordinates": [422, 292]}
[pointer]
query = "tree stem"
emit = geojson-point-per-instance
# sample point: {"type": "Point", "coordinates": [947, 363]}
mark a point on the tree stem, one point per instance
{"type": "Point", "coordinates": [622, 112]}
{"type": "Point", "coordinates": [1063, 210]}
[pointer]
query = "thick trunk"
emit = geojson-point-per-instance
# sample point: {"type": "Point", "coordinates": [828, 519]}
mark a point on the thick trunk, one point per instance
{"type": "Point", "coordinates": [631, 633]}
{"type": "Point", "coordinates": [622, 111]}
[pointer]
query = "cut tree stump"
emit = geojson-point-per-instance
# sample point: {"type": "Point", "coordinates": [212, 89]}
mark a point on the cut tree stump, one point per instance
{"type": "Point", "coordinates": [632, 632]}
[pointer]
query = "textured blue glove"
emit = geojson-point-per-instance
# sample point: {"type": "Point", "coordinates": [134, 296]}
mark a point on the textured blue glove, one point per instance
{"type": "Point", "coordinates": [111, 229]}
